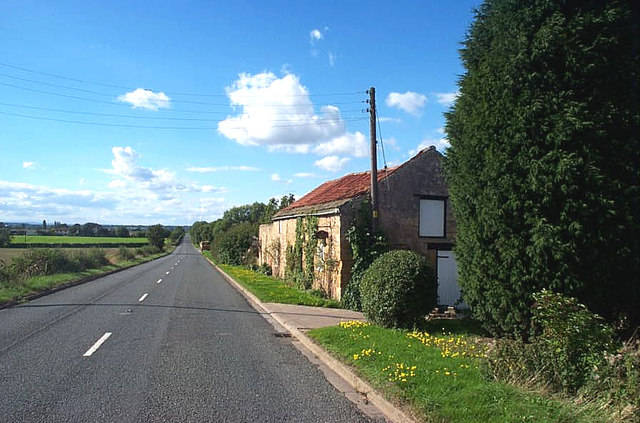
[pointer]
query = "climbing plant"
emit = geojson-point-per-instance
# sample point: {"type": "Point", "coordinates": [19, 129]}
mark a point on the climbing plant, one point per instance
{"type": "Point", "coordinates": [298, 272]}
{"type": "Point", "coordinates": [365, 248]}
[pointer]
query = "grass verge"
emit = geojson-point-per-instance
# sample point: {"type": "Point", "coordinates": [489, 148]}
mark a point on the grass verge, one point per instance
{"type": "Point", "coordinates": [61, 240]}
{"type": "Point", "coordinates": [272, 290]}
{"type": "Point", "coordinates": [10, 292]}
{"type": "Point", "coordinates": [440, 377]}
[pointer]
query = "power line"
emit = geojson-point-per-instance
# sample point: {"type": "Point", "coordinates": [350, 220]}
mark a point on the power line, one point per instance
{"type": "Point", "coordinates": [290, 125]}
{"type": "Point", "coordinates": [166, 101]}
{"type": "Point", "coordinates": [48, 109]}
{"type": "Point", "coordinates": [51, 75]}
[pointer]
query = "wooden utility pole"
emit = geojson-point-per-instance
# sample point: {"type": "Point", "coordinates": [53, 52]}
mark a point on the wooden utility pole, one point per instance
{"type": "Point", "coordinates": [374, 160]}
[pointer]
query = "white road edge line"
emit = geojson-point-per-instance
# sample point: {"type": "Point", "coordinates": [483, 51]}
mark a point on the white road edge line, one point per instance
{"type": "Point", "coordinates": [142, 298]}
{"type": "Point", "coordinates": [95, 346]}
{"type": "Point", "coordinates": [159, 280]}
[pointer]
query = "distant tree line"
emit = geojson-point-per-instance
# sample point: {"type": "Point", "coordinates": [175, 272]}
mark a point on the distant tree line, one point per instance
{"type": "Point", "coordinates": [233, 237]}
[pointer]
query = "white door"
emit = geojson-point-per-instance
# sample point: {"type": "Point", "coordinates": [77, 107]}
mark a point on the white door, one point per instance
{"type": "Point", "coordinates": [448, 288]}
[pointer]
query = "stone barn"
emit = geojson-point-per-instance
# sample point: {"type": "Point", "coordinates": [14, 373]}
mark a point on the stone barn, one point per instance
{"type": "Point", "coordinates": [414, 213]}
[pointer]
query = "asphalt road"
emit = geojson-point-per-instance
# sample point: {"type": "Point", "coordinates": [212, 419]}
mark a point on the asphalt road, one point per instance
{"type": "Point", "coordinates": [183, 347]}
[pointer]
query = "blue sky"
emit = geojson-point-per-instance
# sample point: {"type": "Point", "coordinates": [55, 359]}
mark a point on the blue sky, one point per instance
{"type": "Point", "coordinates": [132, 112]}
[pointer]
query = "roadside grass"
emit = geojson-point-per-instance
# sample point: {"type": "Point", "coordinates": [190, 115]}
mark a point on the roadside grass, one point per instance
{"type": "Point", "coordinates": [272, 290]}
{"type": "Point", "coordinates": [439, 376]}
{"type": "Point", "coordinates": [61, 240]}
{"type": "Point", "coordinates": [18, 291]}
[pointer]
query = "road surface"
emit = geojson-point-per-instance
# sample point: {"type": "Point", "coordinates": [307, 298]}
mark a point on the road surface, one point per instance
{"type": "Point", "coordinates": [167, 341]}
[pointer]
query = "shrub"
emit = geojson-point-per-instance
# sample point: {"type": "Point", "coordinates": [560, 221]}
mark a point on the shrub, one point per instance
{"type": "Point", "coordinates": [617, 381]}
{"type": "Point", "coordinates": [568, 344]}
{"type": "Point", "coordinates": [125, 253]}
{"type": "Point", "coordinates": [398, 289]}
{"type": "Point", "coordinates": [234, 245]}
{"type": "Point", "coordinates": [96, 257]}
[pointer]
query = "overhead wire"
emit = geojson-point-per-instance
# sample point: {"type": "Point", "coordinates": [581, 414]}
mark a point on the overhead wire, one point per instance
{"type": "Point", "coordinates": [133, 88]}
{"type": "Point", "coordinates": [384, 157]}
{"type": "Point", "coordinates": [49, 109]}
{"type": "Point", "coordinates": [232, 111]}
{"type": "Point", "coordinates": [290, 125]}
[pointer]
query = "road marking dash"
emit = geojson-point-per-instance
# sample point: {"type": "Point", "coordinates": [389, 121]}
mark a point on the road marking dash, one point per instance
{"type": "Point", "coordinates": [167, 272]}
{"type": "Point", "coordinates": [159, 280]}
{"type": "Point", "coordinates": [95, 346]}
{"type": "Point", "coordinates": [143, 298]}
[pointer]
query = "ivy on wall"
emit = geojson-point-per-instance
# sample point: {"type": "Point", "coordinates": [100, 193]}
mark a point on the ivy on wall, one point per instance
{"type": "Point", "coordinates": [298, 272]}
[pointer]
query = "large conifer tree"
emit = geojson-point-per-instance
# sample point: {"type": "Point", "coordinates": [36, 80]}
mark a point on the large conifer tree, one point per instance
{"type": "Point", "coordinates": [544, 158]}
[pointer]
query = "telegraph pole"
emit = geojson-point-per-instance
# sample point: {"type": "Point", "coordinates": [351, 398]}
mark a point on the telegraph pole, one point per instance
{"type": "Point", "coordinates": [374, 160]}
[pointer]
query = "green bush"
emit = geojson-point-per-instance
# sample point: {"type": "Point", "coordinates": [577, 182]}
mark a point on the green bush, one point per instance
{"type": "Point", "coordinates": [398, 289]}
{"type": "Point", "coordinates": [617, 381]}
{"type": "Point", "coordinates": [48, 261]}
{"type": "Point", "coordinates": [567, 345]}
{"type": "Point", "coordinates": [126, 254]}
{"type": "Point", "coordinates": [234, 246]}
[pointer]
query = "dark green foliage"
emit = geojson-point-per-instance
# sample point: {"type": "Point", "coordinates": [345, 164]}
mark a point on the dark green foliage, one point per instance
{"type": "Point", "coordinates": [122, 232]}
{"type": "Point", "coordinates": [5, 237]}
{"type": "Point", "coordinates": [255, 213]}
{"type": "Point", "coordinates": [176, 235]}
{"type": "Point", "coordinates": [543, 164]}
{"type": "Point", "coordinates": [156, 235]}
{"type": "Point", "coordinates": [234, 246]}
{"type": "Point", "coordinates": [398, 289]}
{"type": "Point", "coordinates": [569, 343]}
{"type": "Point", "coordinates": [364, 250]}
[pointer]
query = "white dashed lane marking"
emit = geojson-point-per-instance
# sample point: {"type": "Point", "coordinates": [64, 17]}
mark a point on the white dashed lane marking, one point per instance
{"type": "Point", "coordinates": [143, 298]}
{"type": "Point", "coordinates": [95, 346]}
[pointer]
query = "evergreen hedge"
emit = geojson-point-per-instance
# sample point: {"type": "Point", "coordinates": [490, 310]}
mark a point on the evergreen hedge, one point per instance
{"type": "Point", "coordinates": [543, 164]}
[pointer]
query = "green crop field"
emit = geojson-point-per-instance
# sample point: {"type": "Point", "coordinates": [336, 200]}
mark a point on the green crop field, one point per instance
{"type": "Point", "coordinates": [62, 240]}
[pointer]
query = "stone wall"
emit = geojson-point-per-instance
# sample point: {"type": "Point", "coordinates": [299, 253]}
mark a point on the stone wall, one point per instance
{"type": "Point", "coordinates": [275, 237]}
{"type": "Point", "coordinates": [399, 204]}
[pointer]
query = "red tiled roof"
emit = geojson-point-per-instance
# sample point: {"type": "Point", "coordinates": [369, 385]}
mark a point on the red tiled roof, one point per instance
{"type": "Point", "coordinates": [347, 187]}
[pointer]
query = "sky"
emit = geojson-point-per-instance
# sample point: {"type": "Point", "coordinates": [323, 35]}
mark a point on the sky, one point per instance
{"type": "Point", "coordinates": [171, 112]}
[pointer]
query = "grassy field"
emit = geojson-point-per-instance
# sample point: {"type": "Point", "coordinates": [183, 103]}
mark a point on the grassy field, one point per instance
{"type": "Point", "coordinates": [272, 290]}
{"type": "Point", "coordinates": [439, 376]}
{"type": "Point", "coordinates": [61, 240]}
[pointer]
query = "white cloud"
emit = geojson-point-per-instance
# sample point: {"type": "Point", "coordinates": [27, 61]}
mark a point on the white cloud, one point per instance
{"type": "Point", "coordinates": [276, 178]}
{"type": "Point", "coordinates": [29, 165]}
{"type": "Point", "coordinates": [305, 175]}
{"type": "Point", "coordinates": [410, 102]}
{"type": "Point", "coordinates": [441, 145]}
{"type": "Point", "coordinates": [18, 200]}
{"type": "Point", "coordinates": [146, 99]}
{"type": "Point", "coordinates": [278, 113]}
{"type": "Point", "coordinates": [163, 183]}
{"type": "Point", "coordinates": [315, 35]}
{"type": "Point", "coordinates": [331, 163]}
{"type": "Point", "coordinates": [222, 169]}
{"type": "Point", "coordinates": [354, 144]}
{"type": "Point", "coordinates": [332, 59]}
{"type": "Point", "coordinates": [389, 119]}
{"type": "Point", "coordinates": [446, 99]}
